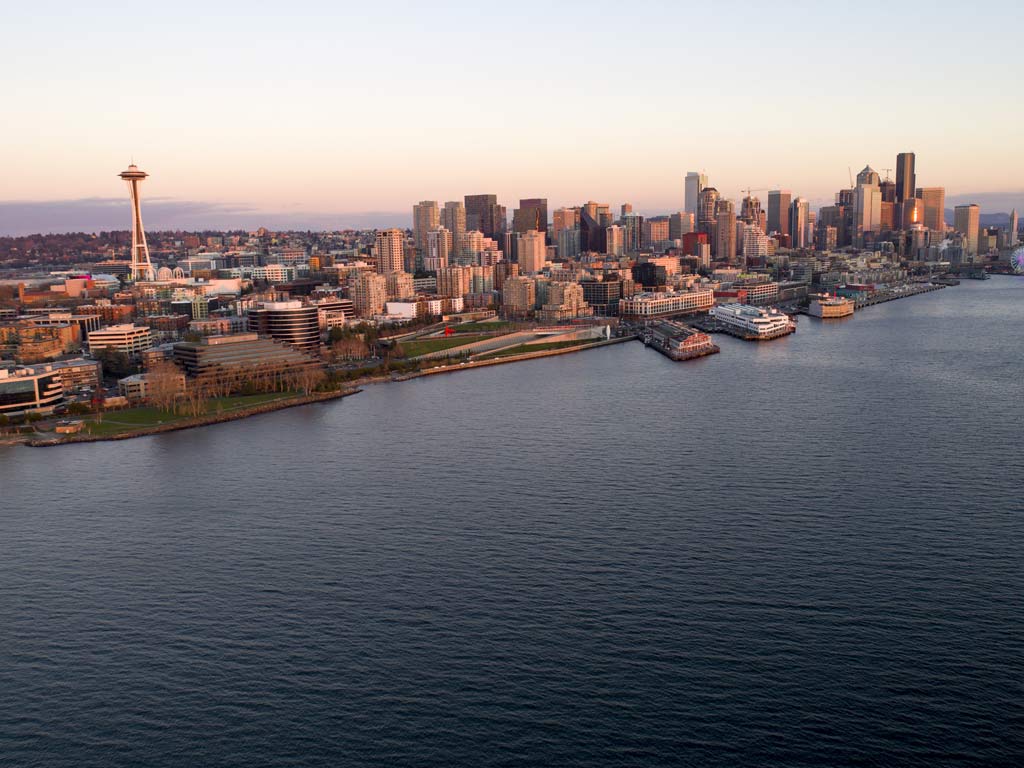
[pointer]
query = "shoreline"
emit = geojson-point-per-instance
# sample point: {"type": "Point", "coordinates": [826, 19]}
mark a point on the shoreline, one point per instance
{"type": "Point", "coordinates": [201, 421]}
{"type": "Point", "coordinates": [32, 441]}
{"type": "Point", "coordinates": [353, 388]}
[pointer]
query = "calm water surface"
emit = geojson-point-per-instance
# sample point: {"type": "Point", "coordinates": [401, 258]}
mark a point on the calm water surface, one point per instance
{"type": "Point", "coordinates": [803, 553]}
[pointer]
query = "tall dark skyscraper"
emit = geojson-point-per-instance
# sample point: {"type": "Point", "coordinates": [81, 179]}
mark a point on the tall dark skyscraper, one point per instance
{"type": "Point", "coordinates": [778, 210]}
{"type": "Point", "coordinates": [483, 213]}
{"type": "Point", "coordinates": [532, 213]}
{"type": "Point", "coordinates": [906, 181]}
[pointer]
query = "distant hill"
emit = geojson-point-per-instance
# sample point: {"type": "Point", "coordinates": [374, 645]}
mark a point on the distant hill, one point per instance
{"type": "Point", "coordinates": [985, 220]}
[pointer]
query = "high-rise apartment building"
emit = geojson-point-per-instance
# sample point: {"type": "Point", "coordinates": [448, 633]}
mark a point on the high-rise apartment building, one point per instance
{"type": "Point", "coordinates": [369, 292]}
{"type": "Point", "coordinates": [934, 200]}
{"type": "Point", "coordinates": [966, 219]}
{"type": "Point", "coordinates": [453, 282]}
{"type": "Point", "coordinates": [755, 245]}
{"type": "Point", "coordinates": [779, 201]}
{"type": "Point", "coordinates": [695, 184]}
{"type": "Point", "coordinates": [518, 296]}
{"type": "Point", "coordinates": [390, 246]}
{"type": "Point", "coordinates": [425, 218]}
{"type": "Point", "coordinates": [453, 218]}
{"type": "Point", "coordinates": [438, 253]}
{"type": "Point", "coordinates": [906, 178]}
{"type": "Point", "coordinates": [615, 241]}
{"type": "Point", "coordinates": [531, 252]}
{"type": "Point", "coordinates": [398, 285]}
{"type": "Point", "coordinates": [725, 231]}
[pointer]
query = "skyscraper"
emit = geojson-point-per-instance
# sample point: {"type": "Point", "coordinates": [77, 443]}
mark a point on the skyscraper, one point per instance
{"type": "Point", "coordinates": [750, 210]}
{"type": "Point", "coordinates": [934, 200]}
{"type": "Point", "coordinates": [564, 218]}
{"type": "Point", "coordinates": [779, 201]}
{"type": "Point", "coordinates": [453, 218]}
{"type": "Point", "coordinates": [484, 213]}
{"type": "Point", "coordinates": [438, 251]}
{"type": "Point", "coordinates": [615, 242]}
{"type": "Point", "coordinates": [142, 267]}
{"type": "Point", "coordinates": [707, 210]}
{"type": "Point", "coordinates": [390, 244]}
{"type": "Point", "coordinates": [532, 253]}
{"type": "Point", "coordinates": [425, 218]}
{"type": "Point", "coordinates": [591, 230]}
{"type": "Point", "coordinates": [1012, 239]}
{"type": "Point", "coordinates": [725, 231]}
{"type": "Point", "coordinates": [906, 179]}
{"type": "Point", "coordinates": [695, 184]}
{"type": "Point", "coordinates": [532, 213]}
{"type": "Point", "coordinates": [632, 232]}
{"type": "Point", "coordinates": [799, 218]}
{"type": "Point", "coordinates": [867, 206]}
{"type": "Point", "coordinates": [966, 219]}
{"type": "Point", "coordinates": [912, 212]}
{"type": "Point", "coordinates": [679, 224]}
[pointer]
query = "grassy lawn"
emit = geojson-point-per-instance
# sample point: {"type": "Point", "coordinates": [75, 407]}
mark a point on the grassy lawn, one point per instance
{"type": "Point", "coordinates": [425, 346]}
{"type": "Point", "coordinates": [131, 419]}
{"type": "Point", "coordinates": [482, 327]}
{"type": "Point", "coordinates": [524, 348]}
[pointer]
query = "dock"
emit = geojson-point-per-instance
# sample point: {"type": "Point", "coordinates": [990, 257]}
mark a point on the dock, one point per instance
{"type": "Point", "coordinates": [677, 341]}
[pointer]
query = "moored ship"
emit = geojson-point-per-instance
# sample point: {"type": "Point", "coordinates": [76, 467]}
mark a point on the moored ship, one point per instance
{"type": "Point", "coordinates": [753, 323]}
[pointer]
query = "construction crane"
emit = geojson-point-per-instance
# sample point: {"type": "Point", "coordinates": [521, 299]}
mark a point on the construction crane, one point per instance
{"type": "Point", "coordinates": [849, 170]}
{"type": "Point", "coordinates": [887, 171]}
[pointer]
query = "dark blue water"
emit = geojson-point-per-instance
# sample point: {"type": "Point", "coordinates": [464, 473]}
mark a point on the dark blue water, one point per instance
{"type": "Point", "coordinates": [806, 552]}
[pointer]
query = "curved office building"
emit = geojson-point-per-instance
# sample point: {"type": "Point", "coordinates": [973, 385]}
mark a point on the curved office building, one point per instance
{"type": "Point", "coordinates": [289, 321]}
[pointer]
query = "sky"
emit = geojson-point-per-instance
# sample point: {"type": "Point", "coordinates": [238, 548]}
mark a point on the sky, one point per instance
{"type": "Point", "coordinates": [346, 114]}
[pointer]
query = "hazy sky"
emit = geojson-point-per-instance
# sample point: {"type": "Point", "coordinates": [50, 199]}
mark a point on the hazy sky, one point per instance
{"type": "Point", "coordinates": [312, 108]}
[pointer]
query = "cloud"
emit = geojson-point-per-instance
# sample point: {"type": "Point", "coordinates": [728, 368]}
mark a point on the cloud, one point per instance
{"type": "Point", "coordinates": [96, 214]}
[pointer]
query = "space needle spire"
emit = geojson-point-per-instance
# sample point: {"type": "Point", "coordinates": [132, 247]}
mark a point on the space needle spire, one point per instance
{"type": "Point", "coordinates": [142, 268]}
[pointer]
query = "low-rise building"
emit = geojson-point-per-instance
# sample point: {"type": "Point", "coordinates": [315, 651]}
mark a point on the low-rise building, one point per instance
{"type": "Point", "coordinates": [649, 305]}
{"type": "Point", "coordinates": [128, 338]}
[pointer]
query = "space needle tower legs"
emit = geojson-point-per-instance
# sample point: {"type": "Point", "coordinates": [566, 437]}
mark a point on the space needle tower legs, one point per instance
{"type": "Point", "coordinates": [142, 268]}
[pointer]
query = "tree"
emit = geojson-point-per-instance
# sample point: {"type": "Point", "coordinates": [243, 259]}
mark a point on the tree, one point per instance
{"type": "Point", "coordinates": [163, 384]}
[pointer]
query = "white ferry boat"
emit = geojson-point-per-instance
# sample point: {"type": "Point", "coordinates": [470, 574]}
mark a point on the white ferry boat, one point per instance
{"type": "Point", "coordinates": [753, 323]}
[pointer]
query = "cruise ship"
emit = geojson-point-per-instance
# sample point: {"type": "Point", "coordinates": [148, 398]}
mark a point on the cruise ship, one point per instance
{"type": "Point", "coordinates": [754, 323]}
{"type": "Point", "coordinates": [831, 306]}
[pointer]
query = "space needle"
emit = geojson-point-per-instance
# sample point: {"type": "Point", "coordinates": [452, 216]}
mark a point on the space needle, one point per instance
{"type": "Point", "coordinates": [142, 268]}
